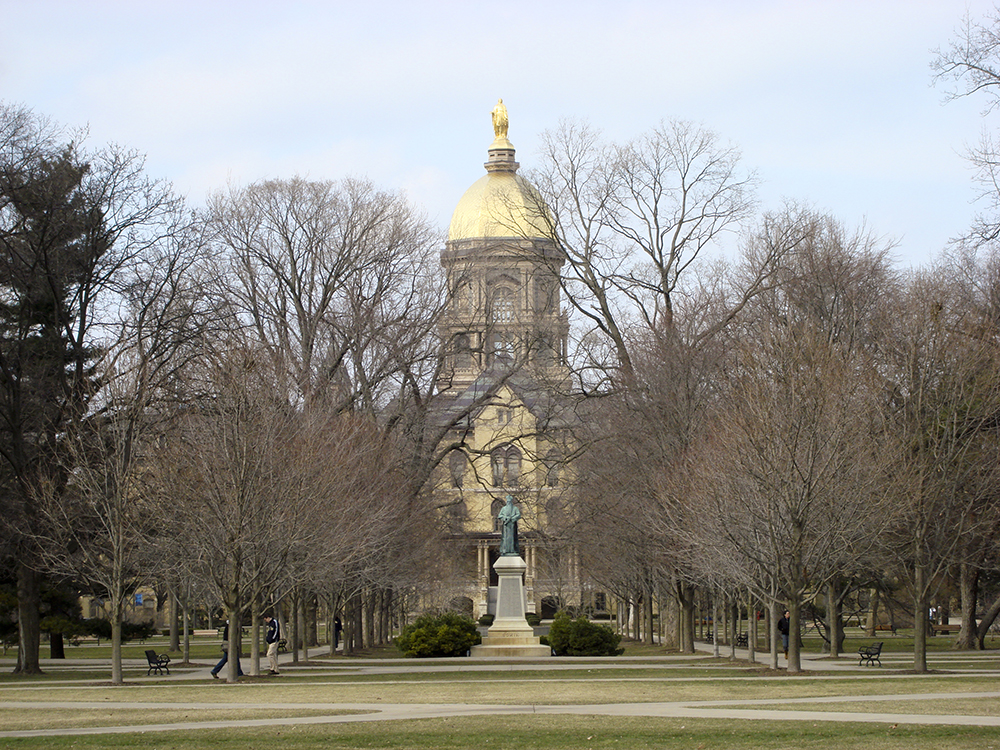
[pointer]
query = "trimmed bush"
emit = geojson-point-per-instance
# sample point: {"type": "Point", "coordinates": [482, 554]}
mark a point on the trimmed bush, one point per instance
{"type": "Point", "coordinates": [533, 618]}
{"type": "Point", "coordinates": [444, 634]}
{"type": "Point", "coordinates": [487, 620]}
{"type": "Point", "coordinates": [580, 637]}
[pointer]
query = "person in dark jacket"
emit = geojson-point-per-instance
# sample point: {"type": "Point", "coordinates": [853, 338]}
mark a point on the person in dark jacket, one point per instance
{"type": "Point", "coordinates": [225, 655]}
{"type": "Point", "coordinates": [783, 625]}
{"type": "Point", "coordinates": [271, 638]}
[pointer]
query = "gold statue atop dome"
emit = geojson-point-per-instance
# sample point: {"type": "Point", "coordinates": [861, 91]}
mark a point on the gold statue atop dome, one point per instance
{"type": "Point", "coordinates": [500, 121]}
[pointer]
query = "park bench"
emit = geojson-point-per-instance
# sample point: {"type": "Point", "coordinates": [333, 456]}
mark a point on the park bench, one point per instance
{"type": "Point", "coordinates": [282, 645]}
{"type": "Point", "coordinates": [156, 661]}
{"type": "Point", "coordinates": [742, 640]}
{"type": "Point", "coordinates": [870, 654]}
{"type": "Point", "coordinates": [938, 629]}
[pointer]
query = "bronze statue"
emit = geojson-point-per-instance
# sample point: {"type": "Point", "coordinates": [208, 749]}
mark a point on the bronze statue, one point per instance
{"type": "Point", "coordinates": [500, 121]}
{"type": "Point", "coordinates": [509, 515]}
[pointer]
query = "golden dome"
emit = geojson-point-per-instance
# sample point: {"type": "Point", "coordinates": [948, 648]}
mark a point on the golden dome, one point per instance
{"type": "Point", "coordinates": [500, 204]}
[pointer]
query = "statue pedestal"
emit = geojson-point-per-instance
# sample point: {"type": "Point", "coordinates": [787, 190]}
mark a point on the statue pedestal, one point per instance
{"type": "Point", "coordinates": [510, 634]}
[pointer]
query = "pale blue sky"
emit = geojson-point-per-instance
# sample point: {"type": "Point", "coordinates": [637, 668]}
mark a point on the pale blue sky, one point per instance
{"type": "Point", "coordinates": [831, 101]}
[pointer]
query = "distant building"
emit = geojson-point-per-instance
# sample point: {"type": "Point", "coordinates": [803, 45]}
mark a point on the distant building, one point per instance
{"type": "Point", "coordinates": [506, 338]}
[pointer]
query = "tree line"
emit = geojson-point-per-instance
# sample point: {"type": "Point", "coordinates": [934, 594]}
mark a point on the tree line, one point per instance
{"type": "Point", "coordinates": [232, 400]}
{"type": "Point", "coordinates": [793, 422]}
{"type": "Point", "coordinates": [243, 399]}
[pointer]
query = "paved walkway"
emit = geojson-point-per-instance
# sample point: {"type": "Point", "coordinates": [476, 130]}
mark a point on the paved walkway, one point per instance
{"type": "Point", "coordinates": [364, 712]}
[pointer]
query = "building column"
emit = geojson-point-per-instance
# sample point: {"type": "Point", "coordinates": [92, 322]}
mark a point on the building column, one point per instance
{"type": "Point", "coordinates": [483, 553]}
{"type": "Point", "coordinates": [529, 577]}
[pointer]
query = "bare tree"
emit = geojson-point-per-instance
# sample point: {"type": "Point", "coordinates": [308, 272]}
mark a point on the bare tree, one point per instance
{"type": "Point", "coordinates": [74, 227]}
{"type": "Point", "coordinates": [222, 468]}
{"type": "Point", "coordinates": [975, 271]}
{"type": "Point", "coordinates": [944, 394]}
{"type": "Point", "coordinates": [339, 285]}
{"type": "Point", "coordinates": [631, 219]}
{"type": "Point", "coordinates": [971, 63]}
{"type": "Point", "coordinates": [796, 457]}
{"type": "Point", "coordinates": [105, 527]}
{"type": "Point", "coordinates": [336, 281]}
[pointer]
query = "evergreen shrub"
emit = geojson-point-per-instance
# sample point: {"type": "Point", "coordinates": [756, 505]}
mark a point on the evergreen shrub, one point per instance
{"type": "Point", "coordinates": [580, 637]}
{"type": "Point", "coordinates": [443, 634]}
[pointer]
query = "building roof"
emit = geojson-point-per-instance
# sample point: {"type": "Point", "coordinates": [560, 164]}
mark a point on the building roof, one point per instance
{"type": "Point", "coordinates": [554, 410]}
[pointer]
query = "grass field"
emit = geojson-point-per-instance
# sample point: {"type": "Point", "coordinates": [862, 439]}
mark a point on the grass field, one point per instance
{"type": "Point", "coordinates": [75, 696]}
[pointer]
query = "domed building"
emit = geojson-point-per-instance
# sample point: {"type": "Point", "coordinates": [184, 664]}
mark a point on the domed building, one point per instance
{"type": "Point", "coordinates": [504, 383]}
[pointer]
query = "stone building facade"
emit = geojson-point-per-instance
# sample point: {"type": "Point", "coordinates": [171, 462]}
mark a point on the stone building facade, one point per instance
{"type": "Point", "coordinates": [505, 379]}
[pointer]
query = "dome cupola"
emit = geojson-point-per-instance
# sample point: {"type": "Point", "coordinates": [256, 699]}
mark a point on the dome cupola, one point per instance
{"type": "Point", "coordinates": [500, 204]}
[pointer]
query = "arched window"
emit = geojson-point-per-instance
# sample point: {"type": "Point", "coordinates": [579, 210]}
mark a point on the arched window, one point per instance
{"type": "Point", "coordinates": [506, 464]}
{"type": "Point", "coordinates": [503, 305]}
{"type": "Point", "coordinates": [553, 463]}
{"type": "Point", "coordinates": [456, 465]}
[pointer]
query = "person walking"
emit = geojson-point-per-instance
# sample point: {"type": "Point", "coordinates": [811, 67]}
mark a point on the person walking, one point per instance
{"type": "Point", "coordinates": [225, 655]}
{"type": "Point", "coordinates": [271, 638]}
{"type": "Point", "coordinates": [783, 625]}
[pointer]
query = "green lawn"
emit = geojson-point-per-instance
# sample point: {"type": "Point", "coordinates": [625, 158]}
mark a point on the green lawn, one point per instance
{"type": "Point", "coordinates": [324, 687]}
{"type": "Point", "coordinates": [549, 733]}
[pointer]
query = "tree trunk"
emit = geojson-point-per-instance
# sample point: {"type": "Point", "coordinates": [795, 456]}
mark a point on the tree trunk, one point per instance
{"type": "Point", "coordinates": [187, 633]}
{"type": "Point", "coordinates": [772, 628]}
{"type": "Point", "coordinates": [794, 628]}
{"type": "Point", "coordinates": [872, 614]}
{"type": "Point", "coordinates": [835, 622]}
{"type": "Point", "coordinates": [735, 621]}
{"type": "Point", "coordinates": [293, 617]}
{"type": "Point", "coordinates": [969, 587]}
{"type": "Point", "coordinates": [174, 614]}
{"type": "Point", "coordinates": [303, 628]}
{"type": "Point", "coordinates": [920, 622]}
{"type": "Point", "coordinates": [726, 629]}
{"type": "Point", "coordinates": [351, 623]}
{"type": "Point", "coordinates": [647, 636]}
{"type": "Point", "coordinates": [988, 619]}
{"type": "Point", "coordinates": [311, 616]}
{"type": "Point", "coordinates": [235, 644]}
{"type": "Point", "coordinates": [117, 677]}
{"type": "Point", "coordinates": [255, 636]}
{"type": "Point", "coordinates": [387, 609]}
{"type": "Point", "coordinates": [29, 599]}
{"type": "Point", "coordinates": [715, 625]}
{"type": "Point", "coordinates": [56, 648]}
